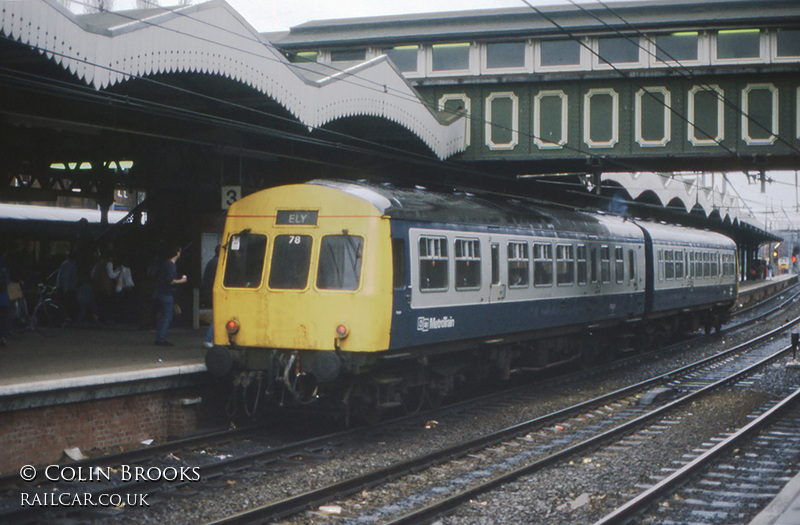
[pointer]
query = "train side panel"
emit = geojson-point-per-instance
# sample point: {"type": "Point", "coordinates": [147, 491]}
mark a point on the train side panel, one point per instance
{"type": "Point", "coordinates": [526, 282]}
{"type": "Point", "coordinates": [691, 269]}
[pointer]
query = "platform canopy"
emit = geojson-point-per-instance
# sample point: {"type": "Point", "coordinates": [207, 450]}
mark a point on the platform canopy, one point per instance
{"type": "Point", "coordinates": [104, 49]}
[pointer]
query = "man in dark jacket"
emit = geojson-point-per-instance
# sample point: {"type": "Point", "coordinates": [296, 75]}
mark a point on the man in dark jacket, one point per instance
{"type": "Point", "coordinates": [166, 286]}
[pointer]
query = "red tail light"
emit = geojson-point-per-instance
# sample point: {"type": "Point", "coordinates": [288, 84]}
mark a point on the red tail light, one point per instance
{"type": "Point", "coordinates": [342, 331]}
{"type": "Point", "coordinates": [232, 326]}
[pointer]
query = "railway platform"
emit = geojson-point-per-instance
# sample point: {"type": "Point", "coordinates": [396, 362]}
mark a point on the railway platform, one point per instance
{"type": "Point", "coordinates": [99, 387]}
{"type": "Point", "coordinates": [91, 356]}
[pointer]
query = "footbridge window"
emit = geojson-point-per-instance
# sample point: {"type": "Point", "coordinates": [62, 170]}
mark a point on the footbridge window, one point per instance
{"type": "Point", "coordinates": [653, 119]}
{"type": "Point", "coordinates": [738, 45]}
{"type": "Point", "coordinates": [760, 114]}
{"type": "Point", "coordinates": [550, 122]}
{"type": "Point", "coordinates": [502, 121]}
{"type": "Point", "coordinates": [601, 118]}
{"type": "Point", "coordinates": [706, 115]}
{"type": "Point", "coordinates": [677, 47]}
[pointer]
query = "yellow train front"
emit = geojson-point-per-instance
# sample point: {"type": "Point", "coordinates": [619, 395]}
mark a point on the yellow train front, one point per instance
{"type": "Point", "coordinates": [305, 277]}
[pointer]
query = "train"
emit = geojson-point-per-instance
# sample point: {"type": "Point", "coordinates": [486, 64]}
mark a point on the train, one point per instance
{"type": "Point", "coordinates": [360, 297]}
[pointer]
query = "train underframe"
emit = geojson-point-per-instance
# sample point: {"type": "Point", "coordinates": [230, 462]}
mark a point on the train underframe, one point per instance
{"type": "Point", "coordinates": [365, 386]}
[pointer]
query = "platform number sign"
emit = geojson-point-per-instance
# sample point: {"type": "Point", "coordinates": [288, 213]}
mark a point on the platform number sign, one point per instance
{"type": "Point", "coordinates": [230, 194]}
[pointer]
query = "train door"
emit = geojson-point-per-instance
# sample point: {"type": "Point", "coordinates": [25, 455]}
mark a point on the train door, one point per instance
{"type": "Point", "coordinates": [497, 290]}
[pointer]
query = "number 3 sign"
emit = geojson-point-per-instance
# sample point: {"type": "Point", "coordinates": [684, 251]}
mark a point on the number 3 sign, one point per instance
{"type": "Point", "coordinates": [230, 194]}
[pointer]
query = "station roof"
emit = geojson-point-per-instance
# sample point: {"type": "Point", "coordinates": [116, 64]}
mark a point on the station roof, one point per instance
{"type": "Point", "coordinates": [525, 21]}
{"type": "Point", "coordinates": [105, 49]}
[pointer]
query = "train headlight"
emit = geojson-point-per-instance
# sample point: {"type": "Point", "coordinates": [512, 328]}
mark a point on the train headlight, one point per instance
{"type": "Point", "coordinates": [232, 326]}
{"type": "Point", "coordinates": [342, 331]}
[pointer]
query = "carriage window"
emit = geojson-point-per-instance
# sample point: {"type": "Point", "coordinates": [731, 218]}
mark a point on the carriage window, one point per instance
{"type": "Point", "coordinates": [340, 262]}
{"type": "Point", "coordinates": [291, 257]}
{"type": "Point", "coordinates": [398, 263]}
{"type": "Point", "coordinates": [698, 265]}
{"type": "Point", "coordinates": [542, 264]}
{"type": "Point", "coordinates": [593, 263]}
{"type": "Point", "coordinates": [495, 263]}
{"type": "Point", "coordinates": [714, 264]}
{"type": "Point", "coordinates": [605, 264]}
{"type": "Point", "coordinates": [706, 264]}
{"type": "Point", "coordinates": [244, 262]}
{"type": "Point", "coordinates": [432, 263]}
{"type": "Point", "coordinates": [518, 264]}
{"type": "Point", "coordinates": [565, 265]}
{"type": "Point", "coordinates": [468, 264]}
{"type": "Point", "coordinates": [619, 264]}
{"type": "Point", "coordinates": [678, 264]}
{"type": "Point", "coordinates": [582, 266]}
{"type": "Point", "coordinates": [631, 265]}
{"type": "Point", "coordinates": [669, 266]}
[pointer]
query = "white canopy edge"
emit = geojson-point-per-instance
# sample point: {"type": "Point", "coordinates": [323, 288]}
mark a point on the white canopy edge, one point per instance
{"type": "Point", "coordinates": [212, 38]}
{"type": "Point", "coordinates": [688, 190]}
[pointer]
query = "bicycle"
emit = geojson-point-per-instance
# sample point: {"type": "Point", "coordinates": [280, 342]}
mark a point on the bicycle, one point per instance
{"type": "Point", "coordinates": [48, 317]}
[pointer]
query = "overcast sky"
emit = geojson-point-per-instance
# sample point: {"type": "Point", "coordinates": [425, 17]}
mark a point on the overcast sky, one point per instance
{"type": "Point", "coordinates": [778, 205]}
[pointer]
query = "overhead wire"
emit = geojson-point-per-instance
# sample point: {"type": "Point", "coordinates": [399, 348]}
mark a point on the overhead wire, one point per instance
{"type": "Point", "coordinates": [180, 12]}
{"type": "Point", "coordinates": [683, 70]}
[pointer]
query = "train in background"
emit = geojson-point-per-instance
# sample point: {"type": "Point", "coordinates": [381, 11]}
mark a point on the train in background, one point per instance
{"type": "Point", "coordinates": [359, 297]}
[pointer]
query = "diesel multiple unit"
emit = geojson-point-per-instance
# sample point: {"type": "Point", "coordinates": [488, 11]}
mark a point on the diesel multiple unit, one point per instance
{"type": "Point", "coordinates": [366, 296]}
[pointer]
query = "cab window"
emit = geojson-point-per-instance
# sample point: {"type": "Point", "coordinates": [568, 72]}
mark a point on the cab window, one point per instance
{"type": "Point", "coordinates": [291, 257]}
{"type": "Point", "coordinates": [244, 261]}
{"type": "Point", "coordinates": [339, 262]}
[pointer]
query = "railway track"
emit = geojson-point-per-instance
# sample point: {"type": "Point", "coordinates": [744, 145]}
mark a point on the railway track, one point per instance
{"type": "Point", "coordinates": [724, 482]}
{"type": "Point", "coordinates": [319, 447]}
{"type": "Point", "coordinates": [605, 418]}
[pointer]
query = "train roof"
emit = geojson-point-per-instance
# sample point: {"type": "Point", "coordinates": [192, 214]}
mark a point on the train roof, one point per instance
{"type": "Point", "coordinates": [684, 236]}
{"type": "Point", "coordinates": [421, 204]}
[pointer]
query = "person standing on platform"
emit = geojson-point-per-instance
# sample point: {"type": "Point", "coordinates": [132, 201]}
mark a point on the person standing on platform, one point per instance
{"type": "Point", "coordinates": [209, 274]}
{"type": "Point", "coordinates": [166, 286]}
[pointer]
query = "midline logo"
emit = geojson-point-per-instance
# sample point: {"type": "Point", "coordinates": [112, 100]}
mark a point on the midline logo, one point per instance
{"type": "Point", "coordinates": [434, 323]}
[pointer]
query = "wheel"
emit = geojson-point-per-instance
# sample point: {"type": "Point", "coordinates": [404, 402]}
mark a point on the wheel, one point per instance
{"type": "Point", "coordinates": [48, 318]}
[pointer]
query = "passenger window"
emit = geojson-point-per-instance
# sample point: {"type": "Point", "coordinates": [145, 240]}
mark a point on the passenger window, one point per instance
{"type": "Point", "coordinates": [542, 265]}
{"type": "Point", "coordinates": [619, 264]}
{"type": "Point", "coordinates": [698, 265]}
{"type": "Point", "coordinates": [244, 260]}
{"type": "Point", "coordinates": [291, 258]}
{"type": "Point", "coordinates": [495, 263]}
{"type": "Point", "coordinates": [582, 265]}
{"type": "Point", "coordinates": [565, 265]}
{"type": "Point", "coordinates": [593, 262]}
{"type": "Point", "coordinates": [340, 262]}
{"type": "Point", "coordinates": [398, 263]}
{"type": "Point", "coordinates": [678, 264]}
{"type": "Point", "coordinates": [433, 264]}
{"type": "Point", "coordinates": [605, 264]}
{"type": "Point", "coordinates": [706, 264]}
{"type": "Point", "coordinates": [714, 264]}
{"type": "Point", "coordinates": [669, 266]}
{"type": "Point", "coordinates": [631, 265]}
{"type": "Point", "coordinates": [468, 264]}
{"type": "Point", "coordinates": [518, 265]}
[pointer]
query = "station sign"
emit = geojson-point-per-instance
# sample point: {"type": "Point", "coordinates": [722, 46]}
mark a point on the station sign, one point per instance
{"type": "Point", "coordinates": [230, 194]}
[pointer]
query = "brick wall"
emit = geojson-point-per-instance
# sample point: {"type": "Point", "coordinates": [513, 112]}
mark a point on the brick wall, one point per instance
{"type": "Point", "coordinates": [40, 435]}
